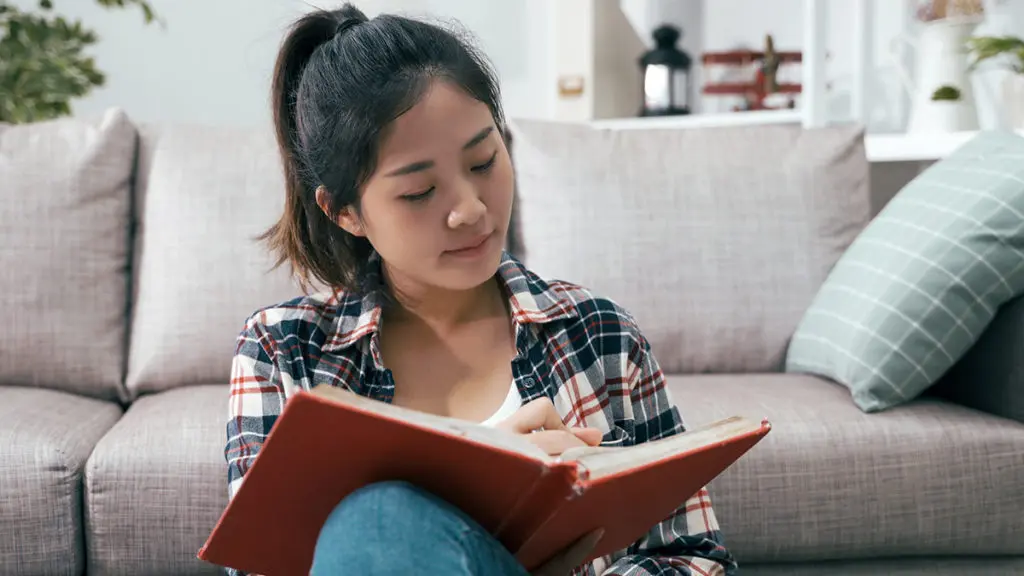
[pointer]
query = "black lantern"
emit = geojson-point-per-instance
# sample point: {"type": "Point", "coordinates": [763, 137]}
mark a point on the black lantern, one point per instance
{"type": "Point", "coordinates": [666, 75]}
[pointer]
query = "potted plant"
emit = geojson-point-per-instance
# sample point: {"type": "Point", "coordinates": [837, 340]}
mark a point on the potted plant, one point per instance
{"type": "Point", "coordinates": [43, 63]}
{"type": "Point", "coordinates": [946, 93]}
{"type": "Point", "coordinates": [946, 111]}
{"type": "Point", "coordinates": [1010, 51]}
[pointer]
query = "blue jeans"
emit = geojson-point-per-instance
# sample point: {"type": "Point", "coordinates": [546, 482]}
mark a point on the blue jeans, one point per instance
{"type": "Point", "coordinates": [396, 528]}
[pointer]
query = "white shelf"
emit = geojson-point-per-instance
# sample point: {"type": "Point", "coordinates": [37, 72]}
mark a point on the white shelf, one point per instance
{"type": "Point", "coordinates": [751, 118]}
{"type": "Point", "coordinates": [914, 147]}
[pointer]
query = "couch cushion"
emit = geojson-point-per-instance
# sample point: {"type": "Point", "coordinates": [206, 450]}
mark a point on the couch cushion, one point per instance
{"type": "Point", "coordinates": [715, 239]}
{"type": "Point", "coordinates": [833, 482]}
{"type": "Point", "coordinates": [157, 483]}
{"type": "Point", "coordinates": [919, 286]}
{"type": "Point", "coordinates": [45, 438]}
{"type": "Point", "coordinates": [204, 196]}
{"type": "Point", "coordinates": [64, 244]}
{"type": "Point", "coordinates": [990, 376]}
{"type": "Point", "coordinates": [933, 566]}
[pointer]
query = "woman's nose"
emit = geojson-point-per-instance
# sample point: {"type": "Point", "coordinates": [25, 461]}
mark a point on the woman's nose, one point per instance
{"type": "Point", "coordinates": [468, 210]}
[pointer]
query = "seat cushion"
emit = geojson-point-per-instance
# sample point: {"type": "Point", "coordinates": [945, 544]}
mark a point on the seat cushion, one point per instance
{"type": "Point", "coordinates": [934, 566]}
{"type": "Point", "coordinates": [45, 438]}
{"type": "Point", "coordinates": [156, 484]}
{"type": "Point", "coordinates": [65, 198]}
{"type": "Point", "coordinates": [833, 482]}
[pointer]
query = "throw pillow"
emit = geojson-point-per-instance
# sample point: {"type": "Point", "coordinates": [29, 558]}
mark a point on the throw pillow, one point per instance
{"type": "Point", "coordinates": [920, 284]}
{"type": "Point", "coordinates": [65, 214]}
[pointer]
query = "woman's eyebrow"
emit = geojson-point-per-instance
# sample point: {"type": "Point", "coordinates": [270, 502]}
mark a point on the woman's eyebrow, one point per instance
{"type": "Point", "coordinates": [425, 164]}
{"type": "Point", "coordinates": [411, 168]}
{"type": "Point", "coordinates": [480, 136]}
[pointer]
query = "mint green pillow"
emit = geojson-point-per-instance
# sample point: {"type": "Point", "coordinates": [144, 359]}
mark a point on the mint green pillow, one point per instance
{"type": "Point", "coordinates": [924, 279]}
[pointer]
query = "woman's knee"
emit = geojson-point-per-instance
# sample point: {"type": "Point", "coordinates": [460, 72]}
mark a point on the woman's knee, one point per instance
{"type": "Point", "coordinates": [382, 499]}
{"type": "Point", "coordinates": [394, 506]}
{"type": "Point", "coordinates": [381, 528]}
{"type": "Point", "coordinates": [398, 528]}
{"type": "Point", "coordinates": [399, 492]}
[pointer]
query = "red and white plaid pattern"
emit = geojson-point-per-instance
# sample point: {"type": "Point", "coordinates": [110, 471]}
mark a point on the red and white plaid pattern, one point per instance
{"type": "Point", "coordinates": [583, 352]}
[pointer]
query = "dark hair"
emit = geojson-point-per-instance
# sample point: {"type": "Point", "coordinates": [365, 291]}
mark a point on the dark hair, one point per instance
{"type": "Point", "coordinates": [339, 81]}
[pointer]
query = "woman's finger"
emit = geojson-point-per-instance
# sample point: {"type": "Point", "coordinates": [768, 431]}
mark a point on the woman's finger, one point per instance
{"type": "Point", "coordinates": [590, 436]}
{"type": "Point", "coordinates": [535, 415]}
{"type": "Point", "coordinates": [554, 442]}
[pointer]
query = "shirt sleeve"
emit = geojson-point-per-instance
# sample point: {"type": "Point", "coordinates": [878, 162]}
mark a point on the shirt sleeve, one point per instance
{"type": "Point", "coordinates": [689, 542]}
{"type": "Point", "coordinates": [255, 401]}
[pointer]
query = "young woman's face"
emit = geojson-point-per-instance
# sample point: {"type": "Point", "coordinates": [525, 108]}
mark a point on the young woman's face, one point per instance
{"type": "Point", "coordinates": [437, 207]}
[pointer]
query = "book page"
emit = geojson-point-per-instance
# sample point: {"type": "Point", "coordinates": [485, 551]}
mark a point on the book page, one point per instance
{"type": "Point", "coordinates": [454, 426]}
{"type": "Point", "coordinates": [606, 461]}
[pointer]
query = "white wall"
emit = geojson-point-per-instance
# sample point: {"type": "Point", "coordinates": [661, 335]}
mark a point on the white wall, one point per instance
{"type": "Point", "coordinates": [213, 61]}
{"type": "Point", "coordinates": [508, 31]}
{"type": "Point", "coordinates": [211, 64]}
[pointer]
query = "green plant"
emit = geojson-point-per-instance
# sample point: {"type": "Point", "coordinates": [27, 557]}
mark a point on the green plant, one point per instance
{"type": "Point", "coordinates": [987, 47]}
{"type": "Point", "coordinates": [947, 93]}
{"type": "Point", "coordinates": [43, 63]}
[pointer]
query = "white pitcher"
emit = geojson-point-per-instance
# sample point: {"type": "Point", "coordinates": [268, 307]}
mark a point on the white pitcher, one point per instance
{"type": "Point", "coordinates": [941, 60]}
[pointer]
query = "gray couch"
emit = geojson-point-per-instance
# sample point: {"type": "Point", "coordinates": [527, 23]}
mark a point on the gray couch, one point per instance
{"type": "Point", "coordinates": [129, 264]}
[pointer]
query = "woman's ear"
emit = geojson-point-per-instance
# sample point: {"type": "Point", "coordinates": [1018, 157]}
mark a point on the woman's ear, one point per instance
{"type": "Point", "coordinates": [347, 219]}
{"type": "Point", "coordinates": [350, 221]}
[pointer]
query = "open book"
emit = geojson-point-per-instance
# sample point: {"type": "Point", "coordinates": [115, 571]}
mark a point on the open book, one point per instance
{"type": "Point", "coordinates": [330, 442]}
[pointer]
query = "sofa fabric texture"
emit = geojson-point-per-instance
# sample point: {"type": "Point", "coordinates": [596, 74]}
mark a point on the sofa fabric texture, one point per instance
{"type": "Point", "coordinates": [65, 200]}
{"type": "Point", "coordinates": [832, 482]}
{"type": "Point", "coordinates": [46, 437]}
{"type": "Point", "coordinates": [715, 239]}
{"type": "Point", "coordinates": [206, 194]}
{"type": "Point", "coordinates": [919, 287]}
{"type": "Point", "coordinates": [156, 483]}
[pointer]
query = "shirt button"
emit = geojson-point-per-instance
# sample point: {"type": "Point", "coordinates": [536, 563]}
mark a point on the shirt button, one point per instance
{"type": "Point", "coordinates": [529, 383]}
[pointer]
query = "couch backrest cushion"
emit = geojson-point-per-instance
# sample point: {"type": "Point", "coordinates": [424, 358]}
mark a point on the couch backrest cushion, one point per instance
{"type": "Point", "coordinates": [65, 205]}
{"type": "Point", "coordinates": [715, 239]}
{"type": "Point", "coordinates": [204, 194]}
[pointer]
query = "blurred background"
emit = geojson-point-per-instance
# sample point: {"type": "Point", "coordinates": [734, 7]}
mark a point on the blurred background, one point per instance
{"type": "Point", "coordinates": [209, 61]}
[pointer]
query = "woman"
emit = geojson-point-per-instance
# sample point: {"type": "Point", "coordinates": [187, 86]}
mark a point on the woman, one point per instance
{"type": "Point", "coordinates": [399, 190]}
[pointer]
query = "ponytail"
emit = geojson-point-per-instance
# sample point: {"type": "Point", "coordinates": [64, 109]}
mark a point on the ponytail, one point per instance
{"type": "Point", "coordinates": [304, 235]}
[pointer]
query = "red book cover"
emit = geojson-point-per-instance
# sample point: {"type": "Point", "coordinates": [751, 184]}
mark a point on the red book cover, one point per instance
{"type": "Point", "coordinates": [328, 443]}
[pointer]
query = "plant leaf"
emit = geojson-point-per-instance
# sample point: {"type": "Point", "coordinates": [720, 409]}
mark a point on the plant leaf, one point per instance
{"type": "Point", "coordinates": [43, 61]}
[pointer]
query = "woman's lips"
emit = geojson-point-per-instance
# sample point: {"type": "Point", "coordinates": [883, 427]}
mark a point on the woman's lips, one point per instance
{"type": "Point", "coordinates": [472, 249]}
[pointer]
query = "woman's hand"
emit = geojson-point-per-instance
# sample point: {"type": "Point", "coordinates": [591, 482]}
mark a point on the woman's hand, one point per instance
{"type": "Point", "coordinates": [542, 426]}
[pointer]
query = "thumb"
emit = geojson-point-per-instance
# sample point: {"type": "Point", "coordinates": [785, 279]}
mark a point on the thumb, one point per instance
{"type": "Point", "coordinates": [591, 436]}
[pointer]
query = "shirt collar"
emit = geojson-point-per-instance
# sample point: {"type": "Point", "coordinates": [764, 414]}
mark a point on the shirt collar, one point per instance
{"type": "Point", "coordinates": [531, 300]}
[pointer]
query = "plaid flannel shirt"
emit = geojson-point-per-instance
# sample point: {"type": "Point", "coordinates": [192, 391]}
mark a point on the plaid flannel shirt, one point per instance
{"type": "Point", "coordinates": [583, 352]}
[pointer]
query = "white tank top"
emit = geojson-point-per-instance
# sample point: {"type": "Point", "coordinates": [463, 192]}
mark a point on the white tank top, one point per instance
{"type": "Point", "coordinates": [512, 403]}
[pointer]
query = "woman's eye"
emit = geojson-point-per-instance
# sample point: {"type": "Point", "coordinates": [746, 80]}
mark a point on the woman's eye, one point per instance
{"type": "Point", "coordinates": [486, 165]}
{"type": "Point", "coordinates": [420, 196]}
